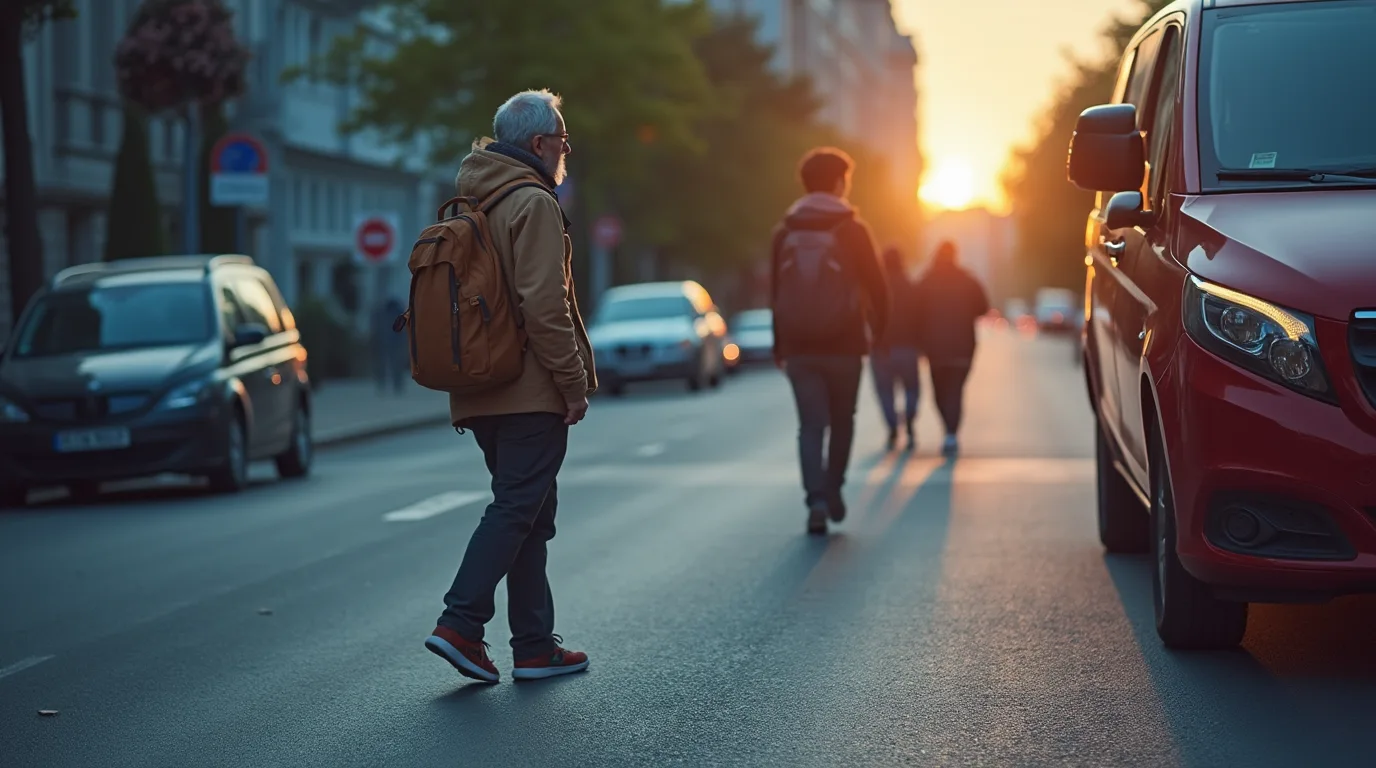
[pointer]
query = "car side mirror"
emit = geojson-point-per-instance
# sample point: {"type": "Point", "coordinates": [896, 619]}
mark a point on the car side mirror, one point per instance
{"type": "Point", "coordinates": [1125, 210]}
{"type": "Point", "coordinates": [249, 334]}
{"type": "Point", "coordinates": [1106, 151]}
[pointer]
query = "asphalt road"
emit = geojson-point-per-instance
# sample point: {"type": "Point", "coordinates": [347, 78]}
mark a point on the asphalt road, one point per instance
{"type": "Point", "coordinates": [964, 615]}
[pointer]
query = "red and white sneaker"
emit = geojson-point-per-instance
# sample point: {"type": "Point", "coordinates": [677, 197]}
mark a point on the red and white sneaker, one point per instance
{"type": "Point", "coordinates": [468, 657]}
{"type": "Point", "coordinates": [560, 662]}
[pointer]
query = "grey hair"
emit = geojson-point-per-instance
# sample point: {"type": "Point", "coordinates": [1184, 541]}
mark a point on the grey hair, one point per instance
{"type": "Point", "coordinates": [526, 115]}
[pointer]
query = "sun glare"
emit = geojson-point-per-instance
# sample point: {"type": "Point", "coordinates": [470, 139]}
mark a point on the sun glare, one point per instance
{"type": "Point", "coordinates": [950, 185]}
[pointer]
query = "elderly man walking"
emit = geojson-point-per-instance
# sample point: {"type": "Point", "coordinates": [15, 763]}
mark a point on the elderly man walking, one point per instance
{"type": "Point", "coordinates": [522, 427]}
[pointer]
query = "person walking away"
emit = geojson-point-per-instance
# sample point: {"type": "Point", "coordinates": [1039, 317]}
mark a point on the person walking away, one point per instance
{"type": "Point", "coordinates": [389, 353]}
{"type": "Point", "coordinates": [949, 301]}
{"type": "Point", "coordinates": [826, 291]}
{"type": "Point", "coordinates": [522, 427]}
{"type": "Point", "coordinates": [895, 356]}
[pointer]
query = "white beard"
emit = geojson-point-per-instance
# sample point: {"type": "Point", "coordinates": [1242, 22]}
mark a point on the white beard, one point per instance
{"type": "Point", "coordinates": [560, 172]}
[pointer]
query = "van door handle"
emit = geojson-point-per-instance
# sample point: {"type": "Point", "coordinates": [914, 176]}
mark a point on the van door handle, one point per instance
{"type": "Point", "coordinates": [1114, 248]}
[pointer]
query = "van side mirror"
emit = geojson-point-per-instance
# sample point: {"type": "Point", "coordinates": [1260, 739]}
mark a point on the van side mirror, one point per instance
{"type": "Point", "coordinates": [1125, 210]}
{"type": "Point", "coordinates": [249, 334]}
{"type": "Point", "coordinates": [1106, 150]}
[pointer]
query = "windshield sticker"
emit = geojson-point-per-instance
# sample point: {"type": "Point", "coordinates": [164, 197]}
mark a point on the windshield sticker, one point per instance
{"type": "Point", "coordinates": [1263, 160]}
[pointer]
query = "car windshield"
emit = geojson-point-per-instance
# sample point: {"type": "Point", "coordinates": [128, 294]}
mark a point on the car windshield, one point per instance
{"type": "Point", "coordinates": [644, 308]}
{"type": "Point", "coordinates": [1287, 86]}
{"type": "Point", "coordinates": [116, 317]}
{"type": "Point", "coordinates": [754, 321]}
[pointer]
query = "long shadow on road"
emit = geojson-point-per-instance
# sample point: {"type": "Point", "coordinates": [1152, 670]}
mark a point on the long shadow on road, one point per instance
{"type": "Point", "coordinates": [1300, 691]}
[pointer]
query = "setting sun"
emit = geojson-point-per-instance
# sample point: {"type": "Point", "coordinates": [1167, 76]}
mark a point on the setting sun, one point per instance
{"type": "Point", "coordinates": [950, 185]}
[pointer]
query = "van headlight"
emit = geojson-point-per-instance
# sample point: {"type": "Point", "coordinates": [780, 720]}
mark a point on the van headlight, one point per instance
{"type": "Point", "coordinates": [10, 413]}
{"type": "Point", "coordinates": [1268, 340]}
{"type": "Point", "coordinates": [188, 395]}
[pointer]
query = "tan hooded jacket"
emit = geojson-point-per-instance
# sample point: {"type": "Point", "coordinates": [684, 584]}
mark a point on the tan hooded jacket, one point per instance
{"type": "Point", "coordinates": [528, 227]}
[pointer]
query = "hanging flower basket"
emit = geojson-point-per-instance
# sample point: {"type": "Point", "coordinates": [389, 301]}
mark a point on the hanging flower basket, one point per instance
{"type": "Point", "coordinates": [176, 52]}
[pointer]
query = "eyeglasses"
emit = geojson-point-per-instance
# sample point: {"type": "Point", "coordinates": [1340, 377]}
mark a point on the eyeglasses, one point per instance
{"type": "Point", "coordinates": [564, 137]}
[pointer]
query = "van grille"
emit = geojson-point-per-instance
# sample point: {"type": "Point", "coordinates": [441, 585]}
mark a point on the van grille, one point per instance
{"type": "Point", "coordinates": [1362, 342]}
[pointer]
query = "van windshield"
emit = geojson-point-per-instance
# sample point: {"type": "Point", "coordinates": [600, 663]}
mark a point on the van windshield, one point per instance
{"type": "Point", "coordinates": [1289, 86]}
{"type": "Point", "coordinates": [118, 317]}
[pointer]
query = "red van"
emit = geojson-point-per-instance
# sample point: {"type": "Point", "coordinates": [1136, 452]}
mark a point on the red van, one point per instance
{"type": "Point", "coordinates": [1230, 307]}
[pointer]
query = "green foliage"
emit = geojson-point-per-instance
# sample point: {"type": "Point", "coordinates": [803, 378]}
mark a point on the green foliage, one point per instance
{"type": "Point", "coordinates": [134, 225]}
{"type": "Point", "coordinates": [623, 67]}
{"type": "Point", "coordinates": [1049, 212]}
{"type": "Point", "coordinates": [217, 224]}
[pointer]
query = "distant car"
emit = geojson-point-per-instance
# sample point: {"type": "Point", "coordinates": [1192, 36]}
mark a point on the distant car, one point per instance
{"type": "Point", "coordinates": [753, 333]}
{"type": "Point", "coordinates": [656, 332]}
{"type": "Point", "coordinates": [1056, 310]}
{"type": "Point", "coordinates": [184, 364]}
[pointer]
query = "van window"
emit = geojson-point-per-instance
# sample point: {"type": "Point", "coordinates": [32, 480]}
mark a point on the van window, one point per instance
{"type": "Point", "coordinates": [257, 304]}
{"type": "Point", "coordinates": [1289, 86]}
{"type": "Point", "coordinates": [1139, 84]}
{"type": "Point", "coordinates": [1163, 112]}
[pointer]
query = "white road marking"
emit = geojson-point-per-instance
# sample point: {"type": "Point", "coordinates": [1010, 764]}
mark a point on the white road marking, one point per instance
{"type": "Point", "coordinates": [651, 449]}
{"type": "Point", "coordinates": [435, 505]}
{"type": "Point", "coordinates": [20, 666]}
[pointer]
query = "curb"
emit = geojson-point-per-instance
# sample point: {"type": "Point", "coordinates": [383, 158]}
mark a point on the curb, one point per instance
{"type": "Point", "coordinates": [349, 435]}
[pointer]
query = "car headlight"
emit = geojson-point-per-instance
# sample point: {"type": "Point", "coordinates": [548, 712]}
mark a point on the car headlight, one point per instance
{"type": "Point", "coordinates": [188, 395]}
{"type": "Point", "coordinates": [1268, 340]}
{"type": "Point", "coordinates": [11, 413]}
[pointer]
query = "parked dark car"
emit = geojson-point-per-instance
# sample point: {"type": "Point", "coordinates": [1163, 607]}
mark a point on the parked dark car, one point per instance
{"type": "Point", "coordinates": [1231, 307]}
{"type": "Point", "coordinates": [185, 364]}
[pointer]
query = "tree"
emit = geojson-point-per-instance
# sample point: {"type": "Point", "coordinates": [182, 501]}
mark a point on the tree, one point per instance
{"type": "Point", "coordinates": [182, 55]}
{"type": "Point", "coordinates": [18, 17]}
{"type": "Point", "coordinates": [134, 224]}
{"type": "Point", "coordinates": [625, 67]}
{"type": "Point", "coordinates": [1048, 211]}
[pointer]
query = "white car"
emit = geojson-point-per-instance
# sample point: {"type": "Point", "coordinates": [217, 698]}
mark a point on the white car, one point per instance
{"type": "Point", "coordinates": [658, 331]}
{"type": "Point", "coordinates": [753, 333]}
{"type": "Point", "coordinates": [1056, 310]}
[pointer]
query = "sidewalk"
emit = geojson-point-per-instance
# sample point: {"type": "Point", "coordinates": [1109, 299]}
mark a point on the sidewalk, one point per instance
{"type": "Point", "coordinates": [352, 409]}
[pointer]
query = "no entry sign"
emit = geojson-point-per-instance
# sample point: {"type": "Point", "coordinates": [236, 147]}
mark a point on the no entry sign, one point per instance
{"type": "Point", "coordinates": [606, 231]}
{"type": "Point", "coordinates": [375, 238]}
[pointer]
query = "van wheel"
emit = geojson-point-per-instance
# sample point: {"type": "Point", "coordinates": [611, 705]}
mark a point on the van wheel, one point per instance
{"type": "Point", "coordinates": [296, 460]}
{"type": "Point", "coordinates": [232, 475]}
{"type": "Point", "coordinates": [1123, 524]}
{"type": "Point", "coordinates": [1188, 616]}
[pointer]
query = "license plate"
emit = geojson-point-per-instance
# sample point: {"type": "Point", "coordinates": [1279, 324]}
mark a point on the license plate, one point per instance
{"type": "Point", "coordinates": [106, 439]}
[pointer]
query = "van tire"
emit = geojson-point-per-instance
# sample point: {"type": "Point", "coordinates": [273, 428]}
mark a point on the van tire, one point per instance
{"type": "Point", "coordinates": [1188, 616]}
{"type": "Point", "coordinates": [1124, 527]}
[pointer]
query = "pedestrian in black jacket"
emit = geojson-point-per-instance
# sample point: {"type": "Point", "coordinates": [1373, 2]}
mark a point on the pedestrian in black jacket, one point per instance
{"type": "Point", "coordinates": [895, 356]}
{"type": "Point", "coordinates": [949, 301]}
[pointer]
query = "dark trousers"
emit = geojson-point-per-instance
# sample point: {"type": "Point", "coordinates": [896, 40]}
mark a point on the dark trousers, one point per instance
{"type": "Point", "coordinates": [948, 387]}
{"type": "Point", "coordinates": [890, 367]}
{"type": "Point", "coordinates": [825, 389]}
{"type": "Point", "coordinates": [523, 452]}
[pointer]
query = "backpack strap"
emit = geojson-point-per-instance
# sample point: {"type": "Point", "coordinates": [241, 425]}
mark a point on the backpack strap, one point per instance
{"type": "Point", "coordinates": [454, 203]}
{"type": "Point", "coordinates": [505, 190]}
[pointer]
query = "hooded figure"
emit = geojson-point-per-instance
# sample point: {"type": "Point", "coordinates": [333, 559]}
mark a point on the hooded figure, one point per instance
{"type": "Point", "coordinates": [948, 300]}
{"type": "Point", "coordinates": [828, 298]}
{"type": "Point", "coordinates": [894, 358]}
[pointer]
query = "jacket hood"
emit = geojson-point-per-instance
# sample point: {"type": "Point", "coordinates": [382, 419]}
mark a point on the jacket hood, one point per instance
{"type": "Point", "coordinates": [818, 210]}
{"type": "Point", "coordinates": [491, 165]}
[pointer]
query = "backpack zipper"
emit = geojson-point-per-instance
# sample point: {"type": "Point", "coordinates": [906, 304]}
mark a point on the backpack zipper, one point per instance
{"type": "Point", "coordinates": [482, 307]}
{"type": "Point", "coordinates": [455, 346]}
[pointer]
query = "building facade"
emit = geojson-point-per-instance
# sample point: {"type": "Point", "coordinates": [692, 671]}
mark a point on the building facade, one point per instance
{"type": "Point", "coordinates": [862, 66]}
{"type": "Point", "coordinates": [320, 180]}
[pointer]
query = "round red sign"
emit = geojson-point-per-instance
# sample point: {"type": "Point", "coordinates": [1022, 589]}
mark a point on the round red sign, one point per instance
{"type": "Point", "coordinates": [375, 239]}
{"type": "Point", "coordinates": [607, 231]}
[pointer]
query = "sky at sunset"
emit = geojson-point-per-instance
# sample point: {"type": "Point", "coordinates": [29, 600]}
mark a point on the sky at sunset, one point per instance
{"type": "Point", "coordinates": [987, 70]}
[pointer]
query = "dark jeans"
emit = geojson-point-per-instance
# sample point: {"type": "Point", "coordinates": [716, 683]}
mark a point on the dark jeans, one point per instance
{"type": "Point", "coordinates": [825, 389]}
{"type": "Point", "coordinates": [890, 367]}
{"type": "Point", "coordinates": [523, 452]}
{"type": "Point", "coordinates": [948, 387]}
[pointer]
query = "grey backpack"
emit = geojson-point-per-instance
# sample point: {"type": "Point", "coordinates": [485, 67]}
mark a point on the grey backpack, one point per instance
{"type": "Point", "coordinates": [816, 296]}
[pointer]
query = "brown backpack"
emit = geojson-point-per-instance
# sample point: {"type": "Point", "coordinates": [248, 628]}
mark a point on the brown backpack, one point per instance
{"type": "Point", "coordinates": [466, 332]}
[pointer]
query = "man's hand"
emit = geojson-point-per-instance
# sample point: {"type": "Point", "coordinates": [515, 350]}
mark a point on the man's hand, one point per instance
{"type": "Point", "coordinates": [576, 412]}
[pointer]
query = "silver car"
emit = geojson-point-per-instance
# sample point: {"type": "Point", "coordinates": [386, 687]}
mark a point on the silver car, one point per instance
{"type": "Point", "coordinates": [658, 331]}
